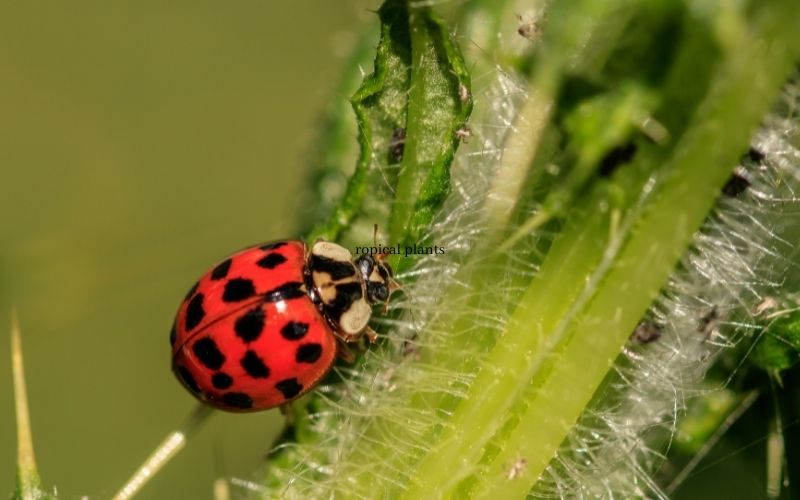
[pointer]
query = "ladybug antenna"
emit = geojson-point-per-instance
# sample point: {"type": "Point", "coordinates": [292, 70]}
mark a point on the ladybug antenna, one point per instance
{"type": "Point", "coordinates": [164, 452]}
{"type": "Point", "coordinates": [381, 256]}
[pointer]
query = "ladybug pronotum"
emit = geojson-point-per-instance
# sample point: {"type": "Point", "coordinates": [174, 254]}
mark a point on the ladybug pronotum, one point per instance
{"type": "Point", "coordinates": [265, 325]}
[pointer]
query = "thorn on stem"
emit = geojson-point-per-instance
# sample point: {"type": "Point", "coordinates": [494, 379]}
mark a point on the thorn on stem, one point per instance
{"type": "Point", "coordinates": [28, 481]}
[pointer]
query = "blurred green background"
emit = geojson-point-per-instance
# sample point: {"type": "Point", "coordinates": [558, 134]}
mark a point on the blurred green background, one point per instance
{"type": "Point", "coordinates": [139, 143]}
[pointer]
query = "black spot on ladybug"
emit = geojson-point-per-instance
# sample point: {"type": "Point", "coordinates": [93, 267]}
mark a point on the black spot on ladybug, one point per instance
{"type": "Point", "coordinates": [237, 400]}
{"type": "Point", "coordinates": [287, 291]}
{"type": "Point", "coordinates": [207, 352]}
{"type": "Point", "coordinates": [253, 365]}
{"type": "Point", "coordinates": [736, 185]}
{"type": "Point", "coordinates": [221, 270]}
{"type": "Point", "coordinates": [238, 289]}
{"type": "Point", "coordinates": [192, 290]}
{"type": "Point", "coordinates": [308, 353]}
{"type": "Point", "coordinates": [616, 157]}
{"type": "Point", "coordinates": [646, 332]}
{"type": "Point", "coordinates": [195, 312]}
{"type": "Point", "coordinates": [173, 334]}
{"type": "Point", "coordinates": [271, 261]}
{"type": "Point", "coordinates": [337, 269]}
{"type": "Point", "coordinates": [188, 380]}
{"type": "Point", "coordinates": [294, 330]}
{"type": "Point", "coordinates": [272, 246]}
{"type": "Point", "coordinates": [289, 387]}
{"type": "Point", "coordinates": [346, 294]}
{"type": "Point", "coordinates": [249, 325]}
{"type": "Point", "coordinates": [221, 380]}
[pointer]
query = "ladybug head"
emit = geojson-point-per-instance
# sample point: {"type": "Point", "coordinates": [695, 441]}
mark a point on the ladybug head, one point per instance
{"type": "Point", "coordinates": [377, 276]}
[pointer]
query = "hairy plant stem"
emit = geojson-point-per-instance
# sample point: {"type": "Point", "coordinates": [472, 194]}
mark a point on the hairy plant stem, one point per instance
{"type": "Point", "coordinates": [439, 103]}
{"type": "Point", "coordinates": [565, 46]}
{"type": "Point", "coordinates": [510, 358]}
{"type": "Point", "coordinates": [574, 362]}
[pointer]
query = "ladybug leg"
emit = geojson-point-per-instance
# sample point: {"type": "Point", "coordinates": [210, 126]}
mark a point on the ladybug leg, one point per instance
{"type": "Point", "coordinates": [371, 334]}
{"type": "Point", "coordinates": [344, 353]}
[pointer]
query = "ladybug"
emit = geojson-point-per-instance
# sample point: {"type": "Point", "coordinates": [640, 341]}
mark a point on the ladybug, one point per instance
{"type": "Point", "coordinates": [265, 325]}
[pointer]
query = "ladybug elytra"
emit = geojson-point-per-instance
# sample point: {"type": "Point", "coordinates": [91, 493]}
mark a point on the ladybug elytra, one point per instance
{"type": "Point", "coordinates": [265, 325]}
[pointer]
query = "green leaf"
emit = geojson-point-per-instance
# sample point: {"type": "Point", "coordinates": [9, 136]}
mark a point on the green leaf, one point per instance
{"type": "Point", "coordinates": [438, 107]}
{"type": "Point", "coordinates": [507, 363]}
{"type": "Point", "coordinates": [380, 108]}
{"type": "Point", "coordinates": [779, 346]}
{"type": "Point", "coordinates": [409, 113]}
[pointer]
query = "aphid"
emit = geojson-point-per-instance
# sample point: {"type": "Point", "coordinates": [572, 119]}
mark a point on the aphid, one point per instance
{"type": "Point", "coordinates": [529, 28]}
{"type": "Point", "coordinates": [646, 332]}
{"type": "Point", "coordinates": [754, 155]}
{"type": "Point", "coordinates": [737, 184]}
{"type": "Point", "coordinates": [768, 304]}
{"type": "Point", "coordinates": [463, 134]}
{"type": "Point", "coordinates": [516, 469]}
{"type": "Point", "coordinates": [265, 325]}
{"type": "Point", "coordinates": [738, 181]}
{"type": "Point", "coordinates": [708, 322]}
{"type": "Point", "coordinates": [397, 145]}
{"type": "Point", "coordinates": [411, 347]}
{"type": "Point", "coordinates": [463, 93]}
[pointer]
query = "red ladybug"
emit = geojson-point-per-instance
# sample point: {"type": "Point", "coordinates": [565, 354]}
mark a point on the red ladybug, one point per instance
{"type": "Point", "coordinates": [266, 324]}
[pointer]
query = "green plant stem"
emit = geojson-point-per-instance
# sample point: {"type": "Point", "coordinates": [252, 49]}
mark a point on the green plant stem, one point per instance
{"type": "Point", "coordinates": [483, 274]}
{"type": "Point", "coordinates": [412, 167]}
{"type": "Point", "coordinates": [700, 166]}
{"type": "Point", "coordinates": [439, 103]}
{"type": "Point", "coordinates": [569, 27]}
{"type": "Point", "coordinates": [379, 105]}
{"type": "Point", "coordinates": [574, 369]}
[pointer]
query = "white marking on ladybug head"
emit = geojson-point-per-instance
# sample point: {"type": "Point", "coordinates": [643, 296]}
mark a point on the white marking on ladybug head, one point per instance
{"type": "Point", "coordinates": [355, 318]}
{"type": "Point", "coordinates": [332, 251]}
{"type": "Point", "coordinates": [376, 276]}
